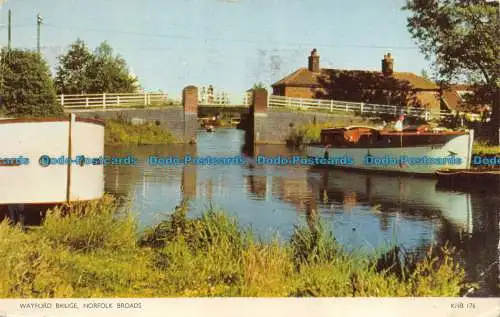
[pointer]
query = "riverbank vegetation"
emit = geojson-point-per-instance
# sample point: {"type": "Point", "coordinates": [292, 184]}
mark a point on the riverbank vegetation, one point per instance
{"type": "Point", "coordinates": [482, 148]}
{"type": "Point", "coordinates": [119, 132]}
{"type": "Point", "coordinates": [92, 250]}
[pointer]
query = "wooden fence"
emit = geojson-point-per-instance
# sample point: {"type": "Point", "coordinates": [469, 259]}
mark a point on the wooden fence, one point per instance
{"type": "Point", "coordinates": [352, 107]}
{"type": "Point", "coordinates": [131, 100]}
{"type": "Point", "coordinates": [114, 100]}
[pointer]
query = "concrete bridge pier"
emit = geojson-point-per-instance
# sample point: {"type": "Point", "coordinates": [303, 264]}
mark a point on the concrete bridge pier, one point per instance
{"type": "Point", "coordinates": [257, 125]}
{"type": "Point", "coordinates": [190, 105]}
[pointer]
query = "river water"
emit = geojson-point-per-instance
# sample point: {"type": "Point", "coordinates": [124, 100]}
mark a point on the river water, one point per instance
{"type": "Point", "coordinates": [366, 212]}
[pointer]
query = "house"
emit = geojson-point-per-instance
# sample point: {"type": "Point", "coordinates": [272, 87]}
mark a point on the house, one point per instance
{"type": "Point", "coordinates": [379, 87]}
{"type": "Point", "coordinates": [456, 99]}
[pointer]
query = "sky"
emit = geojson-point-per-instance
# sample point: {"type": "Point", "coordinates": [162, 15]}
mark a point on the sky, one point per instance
{"type": "Point", "coordinates": [231, 44]}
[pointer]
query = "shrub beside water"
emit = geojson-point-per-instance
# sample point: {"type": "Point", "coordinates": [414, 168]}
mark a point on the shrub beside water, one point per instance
{"type": "Point", "coordinates": [124, 133]}
{"type": "Point", "coordinates": [90, 250]}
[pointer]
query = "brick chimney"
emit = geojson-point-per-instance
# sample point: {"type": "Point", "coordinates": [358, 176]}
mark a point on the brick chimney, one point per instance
{"type": "Point", "coordinates": [388, 65]}
{"type": "Point", "coordinates": [314, 61]}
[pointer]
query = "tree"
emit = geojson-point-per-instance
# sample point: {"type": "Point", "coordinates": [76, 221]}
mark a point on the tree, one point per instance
{"type": "Point", "coordinates": [83, 71]}
{"type": "Point", "coordinates": [461, 38]}
{"type": "Point", "coordinates": [109, 73]}
{"type": "Point", "coordinates": [27, 88]}
{"type": "Point", "coordinates": [258, 85]}
{"type": "Point", "coordinates": [424, 74]}
{"type": "Point", "coordinates": [72, 73]}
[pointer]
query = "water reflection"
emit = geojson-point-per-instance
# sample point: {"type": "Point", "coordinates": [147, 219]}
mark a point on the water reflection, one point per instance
{"type": "Point", "coordinates": [365, 211]}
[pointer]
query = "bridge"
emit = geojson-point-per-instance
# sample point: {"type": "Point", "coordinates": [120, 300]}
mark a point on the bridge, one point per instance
{"type": "Point", "coordinates": [270, 118]}
{"type": "Point", "coordinates": [151, 100]}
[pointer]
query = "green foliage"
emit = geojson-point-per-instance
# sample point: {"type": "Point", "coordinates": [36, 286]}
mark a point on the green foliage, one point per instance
{"type": "Point", "coordinates": [99, 226]}
{"type": "Point", "coordinates": [101, 71]}
{"type": "Point", "coordinates": [72, 73]}
{"type": "Point", "coordinates": [313, 245]}
{"type": "Point", "coordinates": [90, 250]}
{"type": "Point", "coordinates": [123, 133]}
{"type": "Point", "coordinates": [482, 148]}
{"type": "Point", "coordinates": [258, 85]}
{"type": "Point", "coordinates": [26, 88]}
{"type": "Point", "coordinates": [461, 36]}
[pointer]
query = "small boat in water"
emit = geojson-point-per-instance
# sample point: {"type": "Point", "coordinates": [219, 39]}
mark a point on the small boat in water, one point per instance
{"type": "Point", "coordinates": [477, 179]}
{"type": "Point", "coordinates": [419, 150]}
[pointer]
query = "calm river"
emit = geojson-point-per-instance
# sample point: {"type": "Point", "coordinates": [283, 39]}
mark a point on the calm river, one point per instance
{"type": "Point", "coordinates": [365, 211]}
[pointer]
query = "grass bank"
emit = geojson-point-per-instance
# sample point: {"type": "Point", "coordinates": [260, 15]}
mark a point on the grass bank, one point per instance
{"type": "Point", "coordinates": [483, 148]}
{"type": "Point", "coordinates": [90, 250]}
{"type": "Point", "coordinates": [124, 133]}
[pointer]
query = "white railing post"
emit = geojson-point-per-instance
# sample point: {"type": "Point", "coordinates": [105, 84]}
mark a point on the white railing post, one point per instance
{"type": "Point", "coordinates": [346, 107]}
{"type": "Point", "coordinates": [331, 105]}
{"type": "Point", "coordinates": [104, 100]}
{"type": "Point", "coordinates": [149, 100]}
{"type": "Point", "coordinates": [117, 99]}
{"type": "Point", "coordinates": [86, 101]}
{"type": "Point", "coordinates": [145, 99]}
{"type": "Point", "coordinates": [361, 107]}
{"type": "Point", "coordinates": [62, 100]}
{"type": "Point", "coordinates": [426, 116]}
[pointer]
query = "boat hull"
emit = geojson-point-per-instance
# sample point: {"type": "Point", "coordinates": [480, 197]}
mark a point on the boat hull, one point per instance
{"type": "Point", "coordinates": [456, 153]}
{"type": "Point", "coordinates": [36, 183]}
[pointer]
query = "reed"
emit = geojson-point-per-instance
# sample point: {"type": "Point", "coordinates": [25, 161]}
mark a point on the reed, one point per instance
{"type": "Point", "coordinates": [91, 250]}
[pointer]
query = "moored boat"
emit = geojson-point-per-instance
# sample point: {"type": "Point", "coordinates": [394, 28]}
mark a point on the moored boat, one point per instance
{"type": "Point", "coordinates": [418, 150]}
{"type": "Point", "coordinates": [35, 165]}
{"type": "Point", "coordinates": [477, 179]}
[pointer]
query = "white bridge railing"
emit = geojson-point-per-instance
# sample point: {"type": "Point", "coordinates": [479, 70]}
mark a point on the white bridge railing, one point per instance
{"type": "Point", "coordinates": [114, 100]}
{"type": "Point", "coordinates": [148, 99]}
{"type": "Point", "coordinates": [352, 107]}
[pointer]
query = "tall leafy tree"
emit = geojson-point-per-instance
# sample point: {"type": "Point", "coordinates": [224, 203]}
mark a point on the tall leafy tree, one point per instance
{"type": "Point", "coordinates": [72, 73]}
{"type": "Point", "coordinates": [26, 86]}
{"type": "Point", "coordinates": [83, 71]}
{"type": "Point", "coordinates": [461, 38]}
{"type": "Point", "coordinates": [109, 72]}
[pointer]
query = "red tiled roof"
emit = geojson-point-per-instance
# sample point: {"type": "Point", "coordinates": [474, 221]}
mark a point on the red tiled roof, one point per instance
{"type": "Point", "coordinates": [454, 101]}
{"type": "Point", "coordinates": [304, 77]}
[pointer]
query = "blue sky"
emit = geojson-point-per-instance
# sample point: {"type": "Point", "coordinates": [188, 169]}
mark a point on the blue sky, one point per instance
{"type": "Point", "coordinates": [231, 44]}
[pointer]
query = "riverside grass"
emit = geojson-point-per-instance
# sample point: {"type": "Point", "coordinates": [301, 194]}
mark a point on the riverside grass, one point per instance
{"type": "Point", "coordinates": [119, 132]}
{"type": "Point", "coordinates": [91, 250]}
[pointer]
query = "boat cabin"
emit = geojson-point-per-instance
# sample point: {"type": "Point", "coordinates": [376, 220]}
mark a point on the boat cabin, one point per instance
{"type": "Point", "coordinates": [363, 136]}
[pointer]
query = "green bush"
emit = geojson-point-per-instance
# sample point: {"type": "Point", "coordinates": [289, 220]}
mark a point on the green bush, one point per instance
{"type": "Point", "coordinates": [27, 89]}
{"type": "Point", "coordinates": [124, 133]}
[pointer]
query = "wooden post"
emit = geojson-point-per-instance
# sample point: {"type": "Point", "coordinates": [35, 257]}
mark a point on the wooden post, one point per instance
{"type": "Point", "coordinates": [72, 119]}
